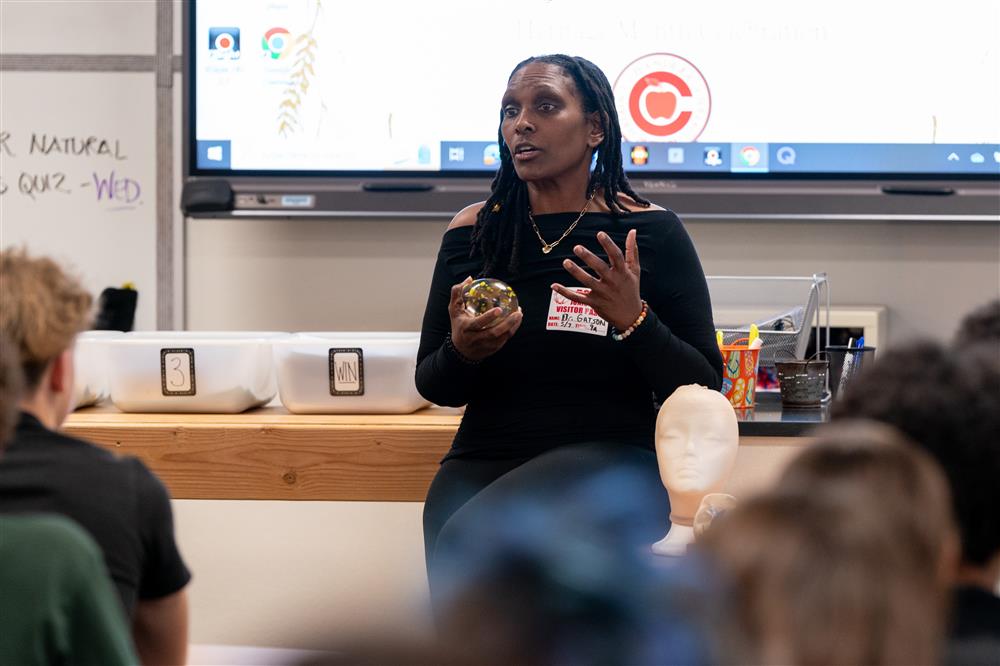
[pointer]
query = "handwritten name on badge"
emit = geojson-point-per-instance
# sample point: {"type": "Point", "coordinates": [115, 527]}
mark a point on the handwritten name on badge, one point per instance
{"type": "Point", "coordinates": [566, 315]}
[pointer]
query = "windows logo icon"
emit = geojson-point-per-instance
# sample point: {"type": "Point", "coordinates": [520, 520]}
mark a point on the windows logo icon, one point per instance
{"type": "Point", "coordinates": [276, 42]}
{"type": "Point", "coordinates": [224, 43]}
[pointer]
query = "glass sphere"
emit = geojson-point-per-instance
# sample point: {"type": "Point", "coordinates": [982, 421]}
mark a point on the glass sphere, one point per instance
{"type": "Point", "coordinates": [482, 295]}
{"type": "Point", "coordinates": [712, 506]}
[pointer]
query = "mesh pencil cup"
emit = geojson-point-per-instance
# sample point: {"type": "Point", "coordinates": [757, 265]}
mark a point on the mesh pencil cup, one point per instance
{"type": "Point", "coordinates": [803, 383]}
{"type": "Point", "coordinates": [846, 363]}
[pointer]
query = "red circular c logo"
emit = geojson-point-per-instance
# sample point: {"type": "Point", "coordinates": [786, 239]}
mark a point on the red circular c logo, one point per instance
{"type": "Point", "coordinates": [662, 97]}
{"type": "Point", "coordinates": [655, 96]}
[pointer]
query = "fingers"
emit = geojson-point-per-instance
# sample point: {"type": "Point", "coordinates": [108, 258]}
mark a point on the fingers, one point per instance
{"type": "Point", "coordinates": [570, 294]}
{"type": "Point", "coordinates": [456, 304]}
{"type": "Point", "coordinates": [582, 276]}
{"type": "Point", "coordinates": [506, 328]}
{"type": "Point", "coordinates": [595, 263]}
{"type": "Point", "coordinates": [477, 343]}
{"type": "Point", "coordinates": [485, 321]}
{"type": "Point", "coordinates": [516, 323]}
{"type": "Point", "coordinates": [615, 255]}
{"type": "Point", "coordinates": [632, 252]}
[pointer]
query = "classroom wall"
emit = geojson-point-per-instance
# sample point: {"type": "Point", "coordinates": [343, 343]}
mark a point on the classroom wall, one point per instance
{"type": "Point", "coordinates": [302, 574]}
{"type": "Point", "coordinates": [374, 274]}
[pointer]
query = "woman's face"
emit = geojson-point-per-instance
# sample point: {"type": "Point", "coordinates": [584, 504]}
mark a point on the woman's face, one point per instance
{"type": "Point", "coordinates": [544, 124]}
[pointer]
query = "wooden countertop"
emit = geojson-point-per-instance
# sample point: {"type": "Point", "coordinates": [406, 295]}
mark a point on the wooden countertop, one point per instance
{"type": "Point", "coordinates": [268, 453]}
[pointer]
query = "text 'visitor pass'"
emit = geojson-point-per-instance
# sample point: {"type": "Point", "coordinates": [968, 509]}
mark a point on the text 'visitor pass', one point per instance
{"type": "Point", "coordinates": [567, 315]}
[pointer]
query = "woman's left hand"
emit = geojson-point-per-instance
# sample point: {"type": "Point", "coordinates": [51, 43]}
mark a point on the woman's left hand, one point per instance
{"type": "Point", "coordinates": [614, 292]}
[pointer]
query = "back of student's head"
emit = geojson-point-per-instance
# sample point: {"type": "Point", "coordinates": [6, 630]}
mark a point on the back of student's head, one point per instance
{"type": "Point", "coordinates": [11, 384]}
{"type": "Point", "coordinates": [905, 485]}
{"type": "Point", "coordinates": [947, 401]}
{"type": "Point", "coordinates": [818, 579]}
{"type": "Point", "coordinates": [43, 310]}
{"type": "Point", "coordinates": [564, 577]}
{"type": "Point", "coordinates": [980, 325]}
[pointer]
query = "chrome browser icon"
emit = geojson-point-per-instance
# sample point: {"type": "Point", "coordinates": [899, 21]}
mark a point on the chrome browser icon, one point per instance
{"type": "Point", "coordinates": [276, 42]}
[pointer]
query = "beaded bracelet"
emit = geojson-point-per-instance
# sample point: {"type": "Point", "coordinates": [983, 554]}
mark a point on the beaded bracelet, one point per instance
{"type": "Point", "coordinates": [465, 360]}
{"type": "Point", "coordinates": [618, 337]}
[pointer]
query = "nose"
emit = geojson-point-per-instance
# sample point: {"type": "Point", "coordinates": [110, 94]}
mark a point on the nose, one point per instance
{"type": "Point", "coordinates": [523, 123]}
{"type": "Point", "coordinates": [689, 446]}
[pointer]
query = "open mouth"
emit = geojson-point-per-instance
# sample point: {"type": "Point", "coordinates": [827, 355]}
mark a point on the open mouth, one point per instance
{"type": "Point", "coordinates": [525, 152]}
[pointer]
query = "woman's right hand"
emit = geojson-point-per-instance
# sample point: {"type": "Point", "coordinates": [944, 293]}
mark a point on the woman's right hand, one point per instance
{"type": "Point", "coordinates": [478, 336]}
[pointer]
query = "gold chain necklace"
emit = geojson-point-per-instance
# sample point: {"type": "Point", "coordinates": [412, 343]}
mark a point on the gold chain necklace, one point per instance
{"type": "Point", "coordinates": [547, 247]}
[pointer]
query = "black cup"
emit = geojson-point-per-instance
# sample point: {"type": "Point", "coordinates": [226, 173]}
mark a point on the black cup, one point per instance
{"type": "Point", "coordinates": [845, 363]}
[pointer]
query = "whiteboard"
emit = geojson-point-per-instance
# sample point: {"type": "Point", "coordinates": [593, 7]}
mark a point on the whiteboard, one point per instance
{"type": "Point", "coordinates": [79, 26]}
{"type": "Point", "coordinates": [78, 175]}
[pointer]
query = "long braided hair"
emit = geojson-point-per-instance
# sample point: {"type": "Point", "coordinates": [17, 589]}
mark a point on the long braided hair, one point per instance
{"type": "Point", "coordinates": [497, 232]}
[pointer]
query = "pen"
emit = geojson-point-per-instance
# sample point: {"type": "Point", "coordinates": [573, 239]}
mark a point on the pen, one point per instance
{"type": "Point", "coordinates": [846, 369]}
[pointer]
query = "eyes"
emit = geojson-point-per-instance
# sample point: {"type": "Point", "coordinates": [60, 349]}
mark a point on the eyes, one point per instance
{"type": "Point", "coordinates": [511, 111]}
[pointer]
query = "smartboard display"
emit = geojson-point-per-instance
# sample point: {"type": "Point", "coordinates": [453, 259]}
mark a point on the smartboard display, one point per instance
{"type": "Point", "coordinates": [777, 89]}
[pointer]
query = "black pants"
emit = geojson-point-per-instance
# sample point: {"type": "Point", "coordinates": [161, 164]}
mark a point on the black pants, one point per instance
{"type": "Point", "coordinates": [464, 489]}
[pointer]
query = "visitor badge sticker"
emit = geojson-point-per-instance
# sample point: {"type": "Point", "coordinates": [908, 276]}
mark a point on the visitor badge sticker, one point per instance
{"type": "Point", "coordinates": [567, 315]}
{"type": "Point", "coordinates": [662, 97]}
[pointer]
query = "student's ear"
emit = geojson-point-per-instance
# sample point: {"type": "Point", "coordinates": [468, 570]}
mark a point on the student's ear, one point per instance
{"type": "Point", "coordinates": [596, 136]}
{"type": "Point", "coordinates": [61, 372]}
{"type": "Point", "coordinates": [951, 556]}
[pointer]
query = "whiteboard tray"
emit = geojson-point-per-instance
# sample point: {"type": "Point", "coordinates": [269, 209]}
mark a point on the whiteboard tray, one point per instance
{"type": "Point", "coordinates": [348, 373]}
{"type": "Point", "coordinates": [191, 371]}
{"type": "Point", "coordinates": [90, 367]}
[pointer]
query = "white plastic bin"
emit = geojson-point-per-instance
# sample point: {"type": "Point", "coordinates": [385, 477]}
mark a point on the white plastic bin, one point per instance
{"type": "Point", "coordinates": [192, 371]}
{"type": "Point", "coordinates": [348, 373]}
{"type": "Point", "coordinates": [90, 371]}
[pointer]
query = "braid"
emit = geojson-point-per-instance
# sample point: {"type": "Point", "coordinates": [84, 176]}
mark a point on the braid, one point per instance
{"type": "Point", "coordinates": [497, 229]}
{"type": "Point", "coordinates": [497, 232]}
{"type": "Point", "coordinates": [608, 173]}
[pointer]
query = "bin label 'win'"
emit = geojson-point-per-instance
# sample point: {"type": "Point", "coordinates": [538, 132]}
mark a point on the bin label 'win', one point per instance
{"type": "Point", "coordinates": [347, 371]}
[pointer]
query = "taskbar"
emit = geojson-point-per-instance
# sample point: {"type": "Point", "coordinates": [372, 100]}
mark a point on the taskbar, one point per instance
{"type": "Point", "coordinates": [703, 158]}
{"type": "Point", "coordinates": [782, 158]}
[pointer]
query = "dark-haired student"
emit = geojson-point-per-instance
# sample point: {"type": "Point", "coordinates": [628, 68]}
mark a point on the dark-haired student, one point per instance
{"type": "Point", "coordinates": [982, 325]}
{"type": "Point", "coordinates": [947, 400]}
{"type": "Point", "coordinates": [539, 386]}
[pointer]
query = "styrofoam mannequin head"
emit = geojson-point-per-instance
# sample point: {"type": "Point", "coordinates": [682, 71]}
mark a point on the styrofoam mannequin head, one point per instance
{"type": "Point", "coordinates": [697, 437]}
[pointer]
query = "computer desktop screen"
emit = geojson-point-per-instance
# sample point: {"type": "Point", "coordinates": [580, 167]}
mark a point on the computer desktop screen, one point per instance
{"type": "Point", "coordinates": [781, 88]}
